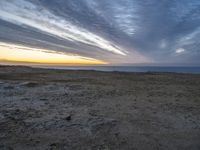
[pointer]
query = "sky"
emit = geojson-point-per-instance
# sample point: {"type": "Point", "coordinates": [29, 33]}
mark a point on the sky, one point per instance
{"type": "Point", "coordinates": [100, 31]}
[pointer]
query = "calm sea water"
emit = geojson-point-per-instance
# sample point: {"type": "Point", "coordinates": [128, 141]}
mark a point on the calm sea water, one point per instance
{"type": "Point", "coordinates": [195, 70]}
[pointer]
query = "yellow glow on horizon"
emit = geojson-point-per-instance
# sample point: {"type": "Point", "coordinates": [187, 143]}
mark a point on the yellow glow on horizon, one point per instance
{"type": "Point", "coordinates": [16, 53]}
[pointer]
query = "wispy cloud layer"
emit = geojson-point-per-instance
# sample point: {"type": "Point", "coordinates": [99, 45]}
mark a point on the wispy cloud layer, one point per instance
{"type": "Point", "coordinates": [26, 13]}
{"type": "Point", "coordinates": [116, 31]}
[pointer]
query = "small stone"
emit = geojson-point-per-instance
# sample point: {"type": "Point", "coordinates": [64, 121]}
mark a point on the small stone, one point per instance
{"type": "Point", "coordinates": [53, 145]}
{"type": "Point", "coordinates": [43, 99]}
{"type": "Point", "coordinates": [68, 118]}
{"type": "Point", "coordinates": [8, 87]}
{"type": "Point", "coordinates": [30, 84]}
{"type": "Point", "coordinates": [37, 141]}
{"type": "Point", "coordinates": [17, 110]}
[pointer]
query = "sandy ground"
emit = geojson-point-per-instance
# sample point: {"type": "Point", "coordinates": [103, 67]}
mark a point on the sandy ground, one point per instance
{"type": "Point", "coordinates": [44, 109]}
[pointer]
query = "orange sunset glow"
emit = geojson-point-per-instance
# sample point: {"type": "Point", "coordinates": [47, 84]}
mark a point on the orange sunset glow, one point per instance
{"type": "Point", "coordinates": [17, 53]}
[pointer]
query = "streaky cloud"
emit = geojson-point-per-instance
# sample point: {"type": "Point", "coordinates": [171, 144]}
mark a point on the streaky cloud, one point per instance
{"type": "Point", "coordinates": [116, 31]}
{"type": "Point", "coordinates": [26, 13]}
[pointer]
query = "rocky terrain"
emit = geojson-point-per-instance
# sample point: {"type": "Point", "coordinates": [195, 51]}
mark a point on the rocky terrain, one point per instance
{"type": "Point", "coordinates": [44, 109]}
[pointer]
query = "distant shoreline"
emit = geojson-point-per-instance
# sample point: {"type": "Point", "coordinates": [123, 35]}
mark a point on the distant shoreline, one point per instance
{"type": "Point", "coordinates": [130, 69]}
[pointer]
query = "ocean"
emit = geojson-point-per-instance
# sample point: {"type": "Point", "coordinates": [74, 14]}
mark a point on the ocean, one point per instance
{"type": "Point", "coordinates": [194, 70]}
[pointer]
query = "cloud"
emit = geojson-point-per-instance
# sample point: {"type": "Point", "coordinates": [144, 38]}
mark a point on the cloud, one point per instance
{"type": "Point", "coordinates": [180, 50]}
{"type": "Point", "coordinates": [26, 13]}
{"type": "Point", "coordinates": [117, 31]}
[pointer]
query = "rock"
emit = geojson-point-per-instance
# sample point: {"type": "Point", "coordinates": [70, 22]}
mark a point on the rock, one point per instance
{"type": "Point", "coordinates": [53, 144]}
{"type": "Point", "coordinates": [25, 99]}
{"type": "Point", "coordinates": [3, 147]}
{"type": "Point", "coordinates": [30, 84]}
{"type": "Point", "coordinates": [2, 117]}
{"type": "Point", "coordinates": [8, 87]}
{"type": "Point", "coordinates": [68, 118]}
{"type": "Point", "coordinates": [43, 99]}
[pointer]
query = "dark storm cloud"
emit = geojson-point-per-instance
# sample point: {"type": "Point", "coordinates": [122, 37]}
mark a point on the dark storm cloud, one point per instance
{"type": "Point", "coordinates": [119, 31]}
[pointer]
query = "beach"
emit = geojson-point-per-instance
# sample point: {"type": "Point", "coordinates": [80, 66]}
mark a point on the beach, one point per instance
{"type": "Point", "coordinates": [47, 109]}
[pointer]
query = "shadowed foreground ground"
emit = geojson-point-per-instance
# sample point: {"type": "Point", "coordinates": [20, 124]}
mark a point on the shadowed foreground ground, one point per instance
{"type": "Point", "coordinates": [44, 109]}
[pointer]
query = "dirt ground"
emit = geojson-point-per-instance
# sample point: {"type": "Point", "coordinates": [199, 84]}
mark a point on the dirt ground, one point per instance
{"type": "Point", "coordinates": [43, 109]}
